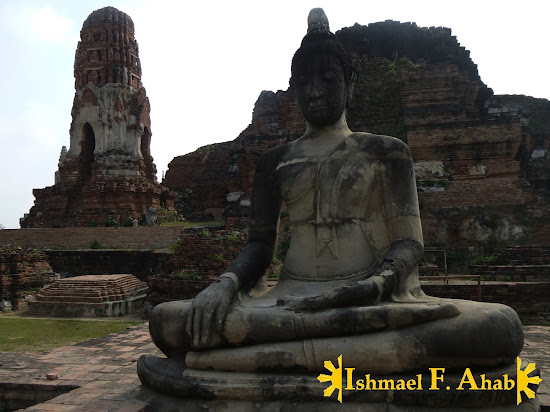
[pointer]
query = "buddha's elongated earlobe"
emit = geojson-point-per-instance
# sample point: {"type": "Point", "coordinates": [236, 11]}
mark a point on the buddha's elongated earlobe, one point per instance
{"type": "Point", "coordinates": [351, 85]}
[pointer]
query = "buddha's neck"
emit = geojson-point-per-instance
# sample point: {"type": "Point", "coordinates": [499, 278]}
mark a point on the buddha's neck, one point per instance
{"type": "Point", "coordinates": [338, 128]}
{"type": "Point", "coordinates": [322, 139]}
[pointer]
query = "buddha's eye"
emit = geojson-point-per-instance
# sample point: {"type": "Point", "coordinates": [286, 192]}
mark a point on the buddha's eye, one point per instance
{"type": "Point", "coordinates": [329, 76]}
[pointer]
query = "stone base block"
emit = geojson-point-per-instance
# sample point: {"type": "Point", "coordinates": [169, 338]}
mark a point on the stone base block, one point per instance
{"type": "Point", "coordinates": [161, 403]}
{"type": "Point", "coordinates": [265, 391]}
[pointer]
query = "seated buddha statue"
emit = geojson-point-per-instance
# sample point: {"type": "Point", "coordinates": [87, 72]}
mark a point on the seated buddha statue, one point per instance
{"type": "Point", "coordinates": [349, 285]}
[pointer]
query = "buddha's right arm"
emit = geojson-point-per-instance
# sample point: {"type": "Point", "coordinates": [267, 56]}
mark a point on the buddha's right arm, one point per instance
{"type": "Point", "coordinates": [205, 318]}
{"type": "Point", "coordinates": [250, 264]}
{"type": "Point", "coordinates": [264, 211]}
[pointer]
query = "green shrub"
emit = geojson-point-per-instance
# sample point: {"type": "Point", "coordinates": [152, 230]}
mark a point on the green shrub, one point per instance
{"type": "Point", "coordinates": [175, 245]}
{"type": "Point", "coordinates": [129, 222]}
{"type": "Point", "coordinates": [235, 236]}
{"type": "Point", "coordinates": [484, 259]}
{"type": "Point", "coordinates": [166, 217]}
{"type": "Point", "coordinates": [96, 245]}
{"type": "Point", "coordinates": [111, 221]}
{"type": "Point", "coordinates": [188, 276]}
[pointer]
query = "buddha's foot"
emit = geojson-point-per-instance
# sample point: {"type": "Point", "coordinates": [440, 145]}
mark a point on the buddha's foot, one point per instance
{"type": "Point", "coordinates": [163, 375]}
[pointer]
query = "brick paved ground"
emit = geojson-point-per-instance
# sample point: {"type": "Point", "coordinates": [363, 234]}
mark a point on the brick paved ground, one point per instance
{"type": "Point", "coordinates": [104, 371]}
{"type": "Point", "coordinates": [537, 349]}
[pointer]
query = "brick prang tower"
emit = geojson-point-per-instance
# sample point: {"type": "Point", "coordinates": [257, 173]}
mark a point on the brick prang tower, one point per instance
{"type": "Point", "coordinates": [107, 176]}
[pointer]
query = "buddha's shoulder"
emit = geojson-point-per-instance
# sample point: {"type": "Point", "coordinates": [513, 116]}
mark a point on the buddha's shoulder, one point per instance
{"type": "Point", "coordinates": [380, 146]}
{"type": "Point", "coordinates": [269, 159]}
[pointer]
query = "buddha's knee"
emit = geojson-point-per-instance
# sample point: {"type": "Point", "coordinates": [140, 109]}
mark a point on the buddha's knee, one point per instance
{"type": "Point", "coordinates": [484, 334]}
{"type": "Point", "coordinates": [155, 324]}
{"type": "Point", "coordinates": [167, 326]}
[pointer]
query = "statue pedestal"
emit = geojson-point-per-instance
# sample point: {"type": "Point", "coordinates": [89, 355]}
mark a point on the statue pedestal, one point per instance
{"type": "Point", "coordinates": [196, 390]}
{"type": "Point", "coordinates": [160, 403]}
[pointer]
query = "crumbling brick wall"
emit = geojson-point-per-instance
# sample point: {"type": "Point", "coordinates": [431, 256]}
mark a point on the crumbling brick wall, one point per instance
{"type": "Point", "coordinates": [200, 256]}
{"type": "Point", "coordinates": [23, 272]}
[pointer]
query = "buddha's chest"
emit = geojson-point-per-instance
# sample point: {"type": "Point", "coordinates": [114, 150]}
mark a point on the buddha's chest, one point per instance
{"type": "Point", "coordinates": [330, 188]}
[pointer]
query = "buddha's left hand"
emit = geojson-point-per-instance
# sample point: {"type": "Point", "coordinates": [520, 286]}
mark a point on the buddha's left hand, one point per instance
{"type": "Point", "coordinates": [364, 293]}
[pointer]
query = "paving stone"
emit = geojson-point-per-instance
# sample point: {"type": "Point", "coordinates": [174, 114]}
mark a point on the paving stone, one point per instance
{"type": "Point", "coordinates": [51, 407]}
{"type": "Point", "coordinates": [133, 407]}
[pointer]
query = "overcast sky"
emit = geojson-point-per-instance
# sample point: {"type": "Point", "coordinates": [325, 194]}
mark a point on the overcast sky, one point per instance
{"type": "Point", "coordinates": [205, 63]}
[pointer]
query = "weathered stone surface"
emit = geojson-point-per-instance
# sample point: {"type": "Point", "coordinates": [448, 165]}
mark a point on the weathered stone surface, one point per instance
{"type": "Point", "coordinates": [107, 177]}
{"type": "Point", "coordinates": [150, 216]}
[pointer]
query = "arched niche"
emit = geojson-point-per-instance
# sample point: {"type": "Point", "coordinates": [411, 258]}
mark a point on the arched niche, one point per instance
{"type": "Point", "coordinates": [87, 152]}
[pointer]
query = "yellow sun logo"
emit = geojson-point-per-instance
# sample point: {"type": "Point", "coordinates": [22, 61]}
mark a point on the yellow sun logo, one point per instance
{"type": "Point", "coordinates": [523, 380]}
{"type": "Point", "coordinates": [335, 378]}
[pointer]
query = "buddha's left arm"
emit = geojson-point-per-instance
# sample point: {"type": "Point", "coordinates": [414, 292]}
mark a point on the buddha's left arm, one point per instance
{"type": "Point", "coordinates": [400, 198]}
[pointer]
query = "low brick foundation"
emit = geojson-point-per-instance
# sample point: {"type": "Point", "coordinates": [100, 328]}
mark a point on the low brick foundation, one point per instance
{"type": "Point", "coordinates": [94, 295]}
{"type": "Point", "coordinates": [142, 237]}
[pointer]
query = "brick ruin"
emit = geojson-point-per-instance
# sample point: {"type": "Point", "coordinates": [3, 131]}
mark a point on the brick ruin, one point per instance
{"type": "Point", "coordinates": [107, 177]}
{"type": "Point", "coordinates": [482, 164]}
{"type": "Point", "coordinates": [90, 296]}
{"type": "Point", "coordinates": [23, 272]}
{"type": "Point", "coordinates": [199, 257]}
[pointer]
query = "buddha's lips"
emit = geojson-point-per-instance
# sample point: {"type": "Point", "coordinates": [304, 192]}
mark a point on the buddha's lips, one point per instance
{"type": "Point", "coordinates": [317, 107]}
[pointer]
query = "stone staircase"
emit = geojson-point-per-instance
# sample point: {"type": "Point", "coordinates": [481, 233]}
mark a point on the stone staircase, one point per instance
{"type": "Point", "coordinates": [516, 264]}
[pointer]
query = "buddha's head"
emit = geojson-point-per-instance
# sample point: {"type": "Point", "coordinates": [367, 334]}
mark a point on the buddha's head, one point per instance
{"type": "Point", "coordinates": [322, 73]}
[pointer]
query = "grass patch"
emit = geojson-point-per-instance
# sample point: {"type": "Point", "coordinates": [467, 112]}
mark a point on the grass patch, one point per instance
{"type": "Point", "coordinates": [39, 335]}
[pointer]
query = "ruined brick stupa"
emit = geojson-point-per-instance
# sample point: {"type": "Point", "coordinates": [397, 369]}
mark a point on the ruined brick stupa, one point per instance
{"type": "Point", "coordinates": [107, 176]}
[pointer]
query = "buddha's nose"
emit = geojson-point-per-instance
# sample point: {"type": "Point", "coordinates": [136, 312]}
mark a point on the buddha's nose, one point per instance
{"type": "Point", "coordinates": [316, 93]}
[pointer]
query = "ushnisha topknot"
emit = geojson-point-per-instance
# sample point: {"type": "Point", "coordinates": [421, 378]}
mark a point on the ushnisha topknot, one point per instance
{"type": "Point", "coordinates": [320, 40]}
{"type": "Point", "coordinates": [317, 20]}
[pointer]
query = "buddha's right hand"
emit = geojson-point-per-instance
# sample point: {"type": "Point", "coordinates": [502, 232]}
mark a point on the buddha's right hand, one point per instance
{"type": "Point", "coordinates": [205, 318]}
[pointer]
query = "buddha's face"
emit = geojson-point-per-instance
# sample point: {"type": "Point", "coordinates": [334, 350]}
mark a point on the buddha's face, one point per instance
{"type": "Point", "coordinates": [320, 89]}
